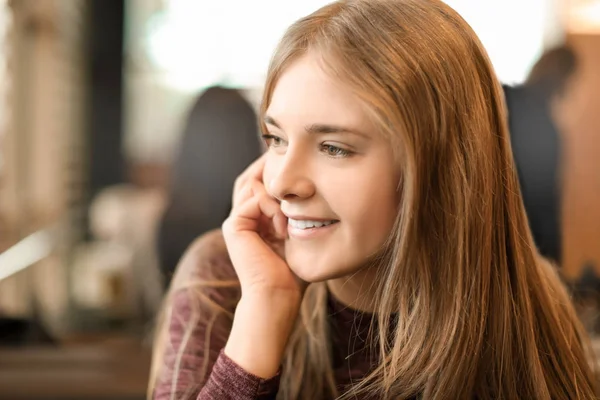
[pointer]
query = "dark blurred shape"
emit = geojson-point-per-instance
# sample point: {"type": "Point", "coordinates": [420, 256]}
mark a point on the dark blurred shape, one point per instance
{"type": "Point", "coordinates": [105, 118]}
{"type": "Point", "coordinates": [586, 295]}
{"type": "Point", "coordinates": [220, 140]}
{"type": "Point", "coordinates": [22, 332]}
{"type": "Point", "coordinates": [589, 281]}
{"type": "Point", "coordinates": [537, 146]}
{"type": "Point", "coordinates": [553, 70]}
{"type": "Point", "coordinates": [16, 331]}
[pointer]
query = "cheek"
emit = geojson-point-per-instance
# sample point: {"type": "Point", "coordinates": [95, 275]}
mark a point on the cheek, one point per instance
{"type": "Point", "coordinates": [379, 210]}
{"type": "Point", "coordinates": [366, 204]}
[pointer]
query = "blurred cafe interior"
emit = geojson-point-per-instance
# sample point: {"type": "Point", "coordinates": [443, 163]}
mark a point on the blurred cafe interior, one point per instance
{"type": "Point", "coordinates": [111, 151]}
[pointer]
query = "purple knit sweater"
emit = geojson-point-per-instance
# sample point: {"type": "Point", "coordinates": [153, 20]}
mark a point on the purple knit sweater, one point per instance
{"type": "Point", "coordinates": [208, 259]}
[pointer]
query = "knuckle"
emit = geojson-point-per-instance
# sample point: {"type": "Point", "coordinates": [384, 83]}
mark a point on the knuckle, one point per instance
{"type": "Point", "coordinates": [227, 224]}
{"type": "Point", "coordinates": [236, 187]}
{"type": "Point", "coordinates": [239, 181]}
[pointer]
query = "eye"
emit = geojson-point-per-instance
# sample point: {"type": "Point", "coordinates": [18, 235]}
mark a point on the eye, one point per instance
{"type": "Point", "coordinates": [335, 151]}
{"type": "Point", "coordinates": [272, 140]}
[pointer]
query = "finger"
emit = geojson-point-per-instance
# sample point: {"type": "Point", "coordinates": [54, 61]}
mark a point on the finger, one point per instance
{"type": "Point", "coordinates": [280, 223]}
{"type": "Point", "coordinates": [279, 220]}
{"type": "Point", "coordinates": [258, 188]}
{"type": "Point", "coordinates": [251, 188]}
{"type": "Point", "coordinates": [259, 205]}
{"type": "Point", "coordinates": [242, 196]}
{"type": "Point", "coordinates": [245, 217]}
{"type": "Point", "coordinates": [268, 205]}
{"type": "Point", "coordinates": [253, 172]}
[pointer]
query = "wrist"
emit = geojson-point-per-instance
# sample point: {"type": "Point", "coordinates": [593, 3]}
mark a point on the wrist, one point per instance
{"type": "Point", "coordinates": [261, 329]}
{"type": "Point", "coordinates": [283, 300]}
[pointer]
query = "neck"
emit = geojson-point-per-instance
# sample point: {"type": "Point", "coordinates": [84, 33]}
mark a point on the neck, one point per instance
{"type": "Point", "coordinates": [356, 291]}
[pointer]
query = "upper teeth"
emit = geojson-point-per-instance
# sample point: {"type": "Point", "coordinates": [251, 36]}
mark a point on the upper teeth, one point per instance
{"type": "Point", "coordinates": [305, 224]}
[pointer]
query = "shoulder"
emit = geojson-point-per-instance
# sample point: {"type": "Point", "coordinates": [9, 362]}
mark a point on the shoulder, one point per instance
{"type": "Point", "coordinates": [206, 259]}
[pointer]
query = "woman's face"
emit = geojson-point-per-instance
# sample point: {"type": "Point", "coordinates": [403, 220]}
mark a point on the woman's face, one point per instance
{"type": "Point", "coordinates": [333, 172]}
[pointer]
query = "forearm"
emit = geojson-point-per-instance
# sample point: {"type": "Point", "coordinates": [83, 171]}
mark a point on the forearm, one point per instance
{"type": "Point", "coordinates": [261, 328]}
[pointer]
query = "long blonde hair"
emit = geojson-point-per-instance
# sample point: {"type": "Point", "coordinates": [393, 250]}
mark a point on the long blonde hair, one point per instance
{"type": "Point", "coordinates": [477, 313]}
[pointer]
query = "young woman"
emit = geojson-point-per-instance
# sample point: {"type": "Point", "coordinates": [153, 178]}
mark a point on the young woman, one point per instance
{"type": "Point", "coordinates": [379, 249]}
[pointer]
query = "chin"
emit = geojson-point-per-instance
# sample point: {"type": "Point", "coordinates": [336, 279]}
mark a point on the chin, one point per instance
{"type": "Point", "coordinates": [319, 269]}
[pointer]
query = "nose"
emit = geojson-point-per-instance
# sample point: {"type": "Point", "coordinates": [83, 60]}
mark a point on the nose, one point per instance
{"type": "Point", "coordinates": [291, 178]}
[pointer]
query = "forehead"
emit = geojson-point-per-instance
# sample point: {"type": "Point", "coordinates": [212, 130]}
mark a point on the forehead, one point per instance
{"type": "Point", "coordinates": [306, 92]}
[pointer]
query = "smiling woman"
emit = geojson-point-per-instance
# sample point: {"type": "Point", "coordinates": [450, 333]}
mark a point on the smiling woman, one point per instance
{"type": "Point", "coordinates": [379, 249]}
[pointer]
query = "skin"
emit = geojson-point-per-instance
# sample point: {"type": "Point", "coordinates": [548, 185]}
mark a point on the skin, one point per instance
{"type": "Point", "coordinates": [325, 161]}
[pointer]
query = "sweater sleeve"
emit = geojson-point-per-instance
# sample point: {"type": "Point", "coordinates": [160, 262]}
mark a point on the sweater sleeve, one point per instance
{"type": "Point", "coordinates": [196, 326]}
{"type": "Point", "coordinates": [229, 381]}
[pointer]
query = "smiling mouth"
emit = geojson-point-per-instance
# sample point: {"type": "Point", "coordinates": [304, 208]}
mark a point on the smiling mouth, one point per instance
{"type": "Point", "coordinates": [308, 224]}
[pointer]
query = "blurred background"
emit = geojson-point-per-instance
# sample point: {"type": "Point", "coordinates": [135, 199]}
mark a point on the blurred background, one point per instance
{"type": "Point", "coordinates": [123, 124]}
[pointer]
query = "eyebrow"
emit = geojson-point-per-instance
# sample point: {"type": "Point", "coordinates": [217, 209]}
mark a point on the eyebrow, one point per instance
{"type": "Point", "coordinates": [318, 128]}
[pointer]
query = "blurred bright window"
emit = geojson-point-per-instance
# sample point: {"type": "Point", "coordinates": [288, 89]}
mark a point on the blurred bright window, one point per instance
{"type": "Point", "coordinates": [584, 17]}
{"type": "Point", "coordinates": [205, 42]}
